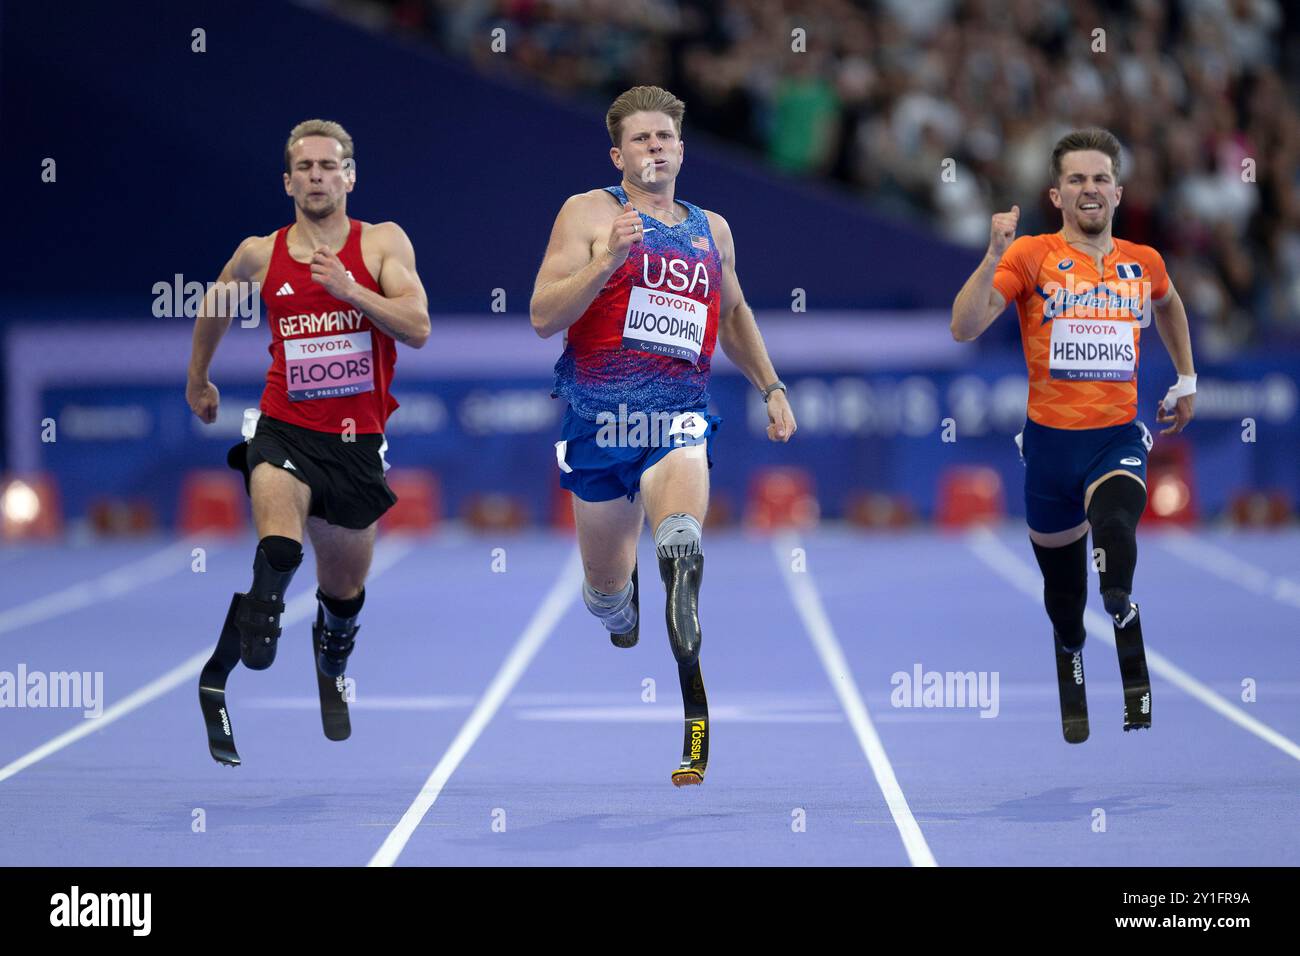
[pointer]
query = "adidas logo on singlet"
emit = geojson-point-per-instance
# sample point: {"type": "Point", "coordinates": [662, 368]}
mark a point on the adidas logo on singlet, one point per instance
{"type": "Point", "coordinates": [285, 289]}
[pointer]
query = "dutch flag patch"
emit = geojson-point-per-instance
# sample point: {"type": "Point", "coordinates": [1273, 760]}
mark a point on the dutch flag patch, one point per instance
{"type": "Point", "coordinates": [1128, 270]}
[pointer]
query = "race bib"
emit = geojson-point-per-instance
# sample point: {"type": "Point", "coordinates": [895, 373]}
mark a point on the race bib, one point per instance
{"type": "Point", "coordinates": [1093, 350]}
{"type": "Point", "coordinates": [329, 366]}
{"type": "Point", "coordinates": [665, 323]}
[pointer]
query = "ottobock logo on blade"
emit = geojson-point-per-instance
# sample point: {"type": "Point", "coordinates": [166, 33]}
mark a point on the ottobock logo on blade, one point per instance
{"type": "Point", "coordinates": [1146, 703]}
{"type": "Point", "coordinates": [225, 721]}
{"type": "Point", "coordinates": [1078, 668]}
{"type": "Point", "coordinates": [1133, 462]}
{"type": "Point", "coordinates": [697, 738]}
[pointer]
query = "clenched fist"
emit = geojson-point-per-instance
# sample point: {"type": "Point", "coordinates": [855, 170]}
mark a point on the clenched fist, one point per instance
{"type": "Point", "coordinates": [1002, 231]}
{"type": "Point", "coordinates": [203, 398]}
{"type": "Point", "coordinates": [625, 231]}
{"type": "Point", "coordinates": [328, 270]}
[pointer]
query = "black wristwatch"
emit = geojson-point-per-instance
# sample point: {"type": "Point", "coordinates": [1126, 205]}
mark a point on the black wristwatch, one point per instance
{"type": "Point", "coordinates": [767, 392]}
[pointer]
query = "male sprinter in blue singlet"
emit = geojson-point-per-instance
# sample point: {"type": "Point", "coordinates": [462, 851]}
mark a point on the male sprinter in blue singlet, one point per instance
{"type": "Point", "coordinates": [644, 287]}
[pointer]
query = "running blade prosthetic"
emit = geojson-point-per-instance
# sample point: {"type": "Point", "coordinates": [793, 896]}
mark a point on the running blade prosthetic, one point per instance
{"type": "Point", "coordinates": [1133, 670]}
{"type": "Point", "coordinates": [1074, 693]}
{"type": "Point", "coordinates": [334, 715]}
{"type": "Point", "coordinates": [695, 745]}
{"type": "Point", "coordinates": [212, 691]}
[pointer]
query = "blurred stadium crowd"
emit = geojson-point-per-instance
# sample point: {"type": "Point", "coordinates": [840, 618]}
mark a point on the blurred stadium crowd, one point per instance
{"type": "Point", "coordinates": [1201, 92]}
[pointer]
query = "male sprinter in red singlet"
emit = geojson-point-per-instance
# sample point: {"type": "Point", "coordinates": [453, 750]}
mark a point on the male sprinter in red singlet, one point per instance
{"type": "Point", "coordinates": [339, 294]}
{"type": "Point", "coordinates": [644, 286]}
{"type": "Point", "coordinates": [1083, 298]}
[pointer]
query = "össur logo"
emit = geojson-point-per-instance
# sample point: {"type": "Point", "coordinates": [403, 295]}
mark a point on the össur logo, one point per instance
{"type": "Point", "coordinates": [697, 738]}
{"type": "Point", "coordinates": [103, 909]}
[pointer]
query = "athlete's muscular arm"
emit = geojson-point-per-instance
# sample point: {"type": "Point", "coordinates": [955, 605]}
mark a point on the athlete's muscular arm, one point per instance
{"type": "Point", "coordinates": [580, 257]}
{"type": "Point", "coordinates": [739, 336]}
{"type": "Point", "coordinates": [214, 319]}
{"type": "Point", "coordinates": [400, 308]}
{"type": "Point", "coordinates": [978, 303]}
{"type": "Point", "coordinates": [1171, 323]}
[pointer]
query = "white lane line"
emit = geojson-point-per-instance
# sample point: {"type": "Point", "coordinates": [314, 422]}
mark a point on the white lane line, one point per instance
{"type": "Point", "coordinates": [1210, 557]}
{"type": "Point", "coordinates": [387, 553]}
{"type": "Point", "coordinates": [822, 635]}
{"type": "Point", "coordinates": [543, 622]}
{"type": "Point", "coordinates": [990, 549]}
{"type": "Point", "coordinates": [113, 584]}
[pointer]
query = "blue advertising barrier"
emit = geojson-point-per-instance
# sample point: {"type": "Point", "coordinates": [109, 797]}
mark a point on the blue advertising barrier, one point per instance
{"type": "Point", "coordinates": [884, 405]}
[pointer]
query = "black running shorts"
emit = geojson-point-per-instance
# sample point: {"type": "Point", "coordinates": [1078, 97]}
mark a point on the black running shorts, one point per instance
{"type": "Point", "coordinates": [346, 478]}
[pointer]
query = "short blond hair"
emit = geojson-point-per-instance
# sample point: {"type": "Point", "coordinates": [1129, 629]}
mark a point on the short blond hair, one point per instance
{"type": "Point", "coordinates": [317, 127]}
{"type": "Point", "coordinates": [643, 99]}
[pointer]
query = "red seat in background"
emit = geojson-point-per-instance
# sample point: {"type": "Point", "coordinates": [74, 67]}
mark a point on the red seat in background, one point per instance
{"type": "Point", "coordinates": [495, 511]}
{"type": "Point", "coordinates": [1171, 490]}
{"type": "Point", "coordinates": [969, 494]}
{"type": "Point", "coordinates": [1260, 509]}
{"type": "Point", "coordinates": [782, 498]}
{"type": "Point", "coordinates": [879, 510]}
{"type": "Point", "coordinates": [212, 500]}
{"type": "Point", "coordinates": [419, 501]}
{"type": "Point", "coordinates": [562, 508]}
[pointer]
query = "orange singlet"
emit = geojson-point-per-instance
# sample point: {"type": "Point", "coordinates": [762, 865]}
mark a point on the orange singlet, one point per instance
{"type": "Point", "coordinates": [1080, 329]}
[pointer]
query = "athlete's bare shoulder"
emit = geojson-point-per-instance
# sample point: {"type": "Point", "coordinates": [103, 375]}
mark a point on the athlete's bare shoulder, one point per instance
{"type": "Point", "coordinates": [717, 223]}
{"type": "Point", "coordinates": [721, 230]}
{"type": "Point", "coordinates": [251, 257]}
{"type": "Point", "coordinates": [384, 235]}
{"type": "Point", "coordinates": [595, 207]}
{"type": "Point", "coordinates": [584, 216]}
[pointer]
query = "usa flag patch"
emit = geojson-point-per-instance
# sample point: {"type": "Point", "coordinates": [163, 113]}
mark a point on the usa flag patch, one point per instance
{"type": "Point", "coordinates": [1128, 270]}
{"type": "Point", "coordinates": [699, 242]}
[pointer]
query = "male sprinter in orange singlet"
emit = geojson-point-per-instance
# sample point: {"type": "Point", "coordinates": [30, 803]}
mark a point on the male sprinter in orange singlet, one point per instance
{"type": "Point", "coordinates": [644, 286]}
{"type": "Point", "coordinates": [1083, 297]}
{"type": "Point", "coordinates": [339, 294]}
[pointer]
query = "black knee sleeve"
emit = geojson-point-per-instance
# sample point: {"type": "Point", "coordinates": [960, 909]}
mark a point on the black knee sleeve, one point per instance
{"type": "Point", "coordinates": [1114, 511]}
{"type": "Point", "coordinates": [1065, 589]}
{"type": "Point", "coordinates": [282, 554]}
{"type": "Point", "coordinates": [340, 613]}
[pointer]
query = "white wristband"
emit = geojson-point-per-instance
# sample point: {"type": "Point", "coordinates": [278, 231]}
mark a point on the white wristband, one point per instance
{"type": "Point", "coordinates": [1186, 385]}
